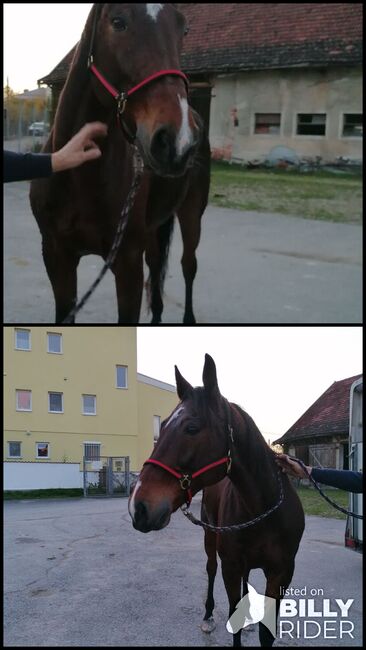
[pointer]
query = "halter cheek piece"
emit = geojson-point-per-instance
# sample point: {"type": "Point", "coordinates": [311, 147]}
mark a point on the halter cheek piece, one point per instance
{"type": "Point", "coordinates": [185, 480]}
{"type": "Point", "coordinates": [122, 96]}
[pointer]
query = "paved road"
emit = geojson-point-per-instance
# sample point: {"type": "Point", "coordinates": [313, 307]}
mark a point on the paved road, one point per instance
{"type": "Point", "coordinates": [252, 268]}
{"type": "Point", "coordinates": [78, 574]}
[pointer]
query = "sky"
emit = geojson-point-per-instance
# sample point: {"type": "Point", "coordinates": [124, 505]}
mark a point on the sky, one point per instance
{"type": "Point", "coordinates": [274, 373]}
{"type": "Point", "coordinates": [36, 38]}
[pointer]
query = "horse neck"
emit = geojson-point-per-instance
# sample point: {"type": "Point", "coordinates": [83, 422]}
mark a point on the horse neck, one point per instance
{"type": "Point", "coordinates": [78, 103]}
{"type": "Point", "coordinates": [254, 472]}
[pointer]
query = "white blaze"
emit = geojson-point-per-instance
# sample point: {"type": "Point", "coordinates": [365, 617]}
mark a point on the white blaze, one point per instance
{"type": "Point", "coordinates": [174, 415]}
{"type": "Point", "coordinates": [131, 505]}
{"type": "Point", "coordinates": [153, 11]}
{"type": "Point", "coordinates": [184, 137]}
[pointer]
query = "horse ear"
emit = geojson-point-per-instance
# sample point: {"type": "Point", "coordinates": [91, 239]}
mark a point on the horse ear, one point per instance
{"type": "Point", "coordinates": [184, 388]}
{"type": "Point", "coordinates": [209, 378]}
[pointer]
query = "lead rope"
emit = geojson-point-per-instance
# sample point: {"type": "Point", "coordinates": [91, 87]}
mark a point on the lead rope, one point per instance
{"type": "Point", "coordinates": [235, 527]}
{"type": "Point", "coordinates": [138, 168]}
{"type": "Point", "coordinates": [335, 505]}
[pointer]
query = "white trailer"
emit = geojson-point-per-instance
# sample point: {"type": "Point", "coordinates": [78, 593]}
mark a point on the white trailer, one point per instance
{"type": "Point", "coordinates": [354, 532]}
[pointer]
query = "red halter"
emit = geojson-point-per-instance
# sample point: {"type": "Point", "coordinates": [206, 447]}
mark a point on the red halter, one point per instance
{"type": "Point", "coordinates": [186, 479]}
{"type": "Point", "coordinates": [123, 96]}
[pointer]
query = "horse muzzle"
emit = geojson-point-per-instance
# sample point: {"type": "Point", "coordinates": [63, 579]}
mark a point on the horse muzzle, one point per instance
{"type": "Point", "coordinates": [164, 153]}
{"type": "Point", "coordinates": [145, 519]}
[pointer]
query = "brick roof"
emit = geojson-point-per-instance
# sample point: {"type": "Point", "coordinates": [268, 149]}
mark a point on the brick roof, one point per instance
{"type": "Point", "coordinates": [231, 37]}
{"type": "Point", "coordinates": [59, 73]}
{"type": "Point", "coordinates": [328, 415]}
{"type": "Point", "coordinates": [226, 37]}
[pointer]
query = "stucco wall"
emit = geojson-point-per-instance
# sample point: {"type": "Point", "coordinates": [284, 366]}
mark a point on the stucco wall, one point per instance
{"type": "Point", "coordinates": [38, 476]}
{"type": "Point", "coordinates": [153, 401]}
{"type": "Point", "coordinates": [333, 91]}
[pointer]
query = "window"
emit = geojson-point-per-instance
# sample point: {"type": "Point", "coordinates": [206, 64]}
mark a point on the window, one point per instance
{"type": "Point", "coordinates": [54, 343]}
{"type": "Point", "coordinates": [121, 376]}
{"type": "Point", "coordinates": [156, 425]}
{"type": "Point", "coordinates": [267, 123]}
{"type": "Point", "coordinates": [42, 450]}
{"type": "Point", "coordinates": [23, 400]}
{"type": "Point", "coordinates": [22, 339]}
{"type": "Point", "coordinates": [92, 450]}
{"type": "Point", "coordinates": [14, 450]}
{"type": "Point", "coordinates": [89, 404]}
{"type": "Point", "coordinates": [352, 125]}
{"type": "Point", "coordinates": [311, 123]}
{"type": "Point", "coordinates": [55, 403]}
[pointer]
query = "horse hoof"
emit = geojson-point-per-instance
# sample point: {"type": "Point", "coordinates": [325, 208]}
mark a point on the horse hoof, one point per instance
{"type": "Point", "coordinates": [208, 626]}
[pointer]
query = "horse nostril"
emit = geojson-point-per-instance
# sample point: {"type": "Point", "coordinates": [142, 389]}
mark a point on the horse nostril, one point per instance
{"type": "Point", "coordinates": [141, 515]}
{"type": "Point", "coordinates": [162, 146]}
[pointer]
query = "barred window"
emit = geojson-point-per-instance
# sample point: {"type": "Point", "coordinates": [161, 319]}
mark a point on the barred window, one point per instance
{"type": "Point", "coordinates": [91, 451]}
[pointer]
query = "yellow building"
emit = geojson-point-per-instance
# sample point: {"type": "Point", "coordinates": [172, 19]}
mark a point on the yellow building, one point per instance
{"type": "Point", "coordinates": [71, 392]}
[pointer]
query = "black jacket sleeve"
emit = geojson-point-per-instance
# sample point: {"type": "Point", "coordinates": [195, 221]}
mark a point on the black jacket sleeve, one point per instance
{"type": "Point", "coordinates": [25, 166]}
{"type": "Point", "coordinates": [343, 479]}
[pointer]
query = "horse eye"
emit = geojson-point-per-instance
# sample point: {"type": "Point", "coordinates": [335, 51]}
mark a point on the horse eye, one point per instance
{"type": "Point", "coordinates": [119, 24]}
{"type": "Point", "coordinates": [192, 428]}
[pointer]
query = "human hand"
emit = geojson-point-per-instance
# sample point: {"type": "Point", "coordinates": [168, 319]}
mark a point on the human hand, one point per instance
{"type": "Point", "coordinates": [291, 467]}
{"type": "Point", "coordinates": [80, 149]}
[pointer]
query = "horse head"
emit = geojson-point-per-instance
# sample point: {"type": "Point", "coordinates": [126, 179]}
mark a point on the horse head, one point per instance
{"type": "Point", "coordinates": [130, 44]}
{"type": "Point", "coordinates": [191, 452]}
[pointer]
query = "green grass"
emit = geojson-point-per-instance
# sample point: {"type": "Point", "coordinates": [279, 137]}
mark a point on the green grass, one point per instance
{"type": "Point", "coordinates": [315, 195]}
{"type": "Point", "coordinates": [43, 494]}
{"type": "Point", "coordinates": [314, 504]}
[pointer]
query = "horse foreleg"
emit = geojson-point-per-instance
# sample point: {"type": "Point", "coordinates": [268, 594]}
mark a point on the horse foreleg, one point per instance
{"type": "Point", "coordinates": [189, 216]}
{"type": "Point", "coordinates": [277, 583]}
{"type": "Point", "coordinates": [61, 267]}
{"type": "Point", "coordinates": [208, 623]}
{"type": "Point", "coordinates": [129, 278]}
{"type": "Point", "coordinates": [154, 284]}
{"type": "Point", "coordinates": [233, 582]}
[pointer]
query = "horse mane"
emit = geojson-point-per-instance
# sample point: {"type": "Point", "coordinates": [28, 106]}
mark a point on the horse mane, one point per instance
{"type": "Point", "coordinates": [74, 88]}
{"type": "Point", "coordinates": [254, 451]}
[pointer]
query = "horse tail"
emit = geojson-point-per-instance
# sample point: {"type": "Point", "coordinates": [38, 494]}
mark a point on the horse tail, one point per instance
{"type": "Point", "coordinates": [164, 236]}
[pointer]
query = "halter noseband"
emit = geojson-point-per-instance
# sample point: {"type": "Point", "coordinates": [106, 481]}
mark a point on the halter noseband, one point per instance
{"type": "Point", "coordinates": [185, 480]}
{"type": "Point", "coordinates": [122, 96]}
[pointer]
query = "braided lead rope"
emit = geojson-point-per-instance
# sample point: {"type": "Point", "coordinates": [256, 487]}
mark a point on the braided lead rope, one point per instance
{"type": "Point", "coordinates": [235, 527]}
{"type": "Point", "coordinates": [138, 168]}
{"type": "Point", "coordinates": [335, 505]}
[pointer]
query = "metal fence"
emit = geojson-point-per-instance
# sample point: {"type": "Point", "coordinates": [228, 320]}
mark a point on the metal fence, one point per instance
{"type": "Point", "coordinates": [107, 476]}
{"type": "Point", "coordinates": [26, 126]}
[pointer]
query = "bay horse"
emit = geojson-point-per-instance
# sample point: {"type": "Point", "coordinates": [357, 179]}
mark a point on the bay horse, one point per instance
{"type": "Point", "coordinates": [208, 442]}
{"type": "Point", "coordinates": [135, 47]}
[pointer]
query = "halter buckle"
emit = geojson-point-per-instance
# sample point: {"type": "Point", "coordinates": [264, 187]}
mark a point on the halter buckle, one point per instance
{"type": "Point", "coordinates": [122, 101]}
{"type": "Point", "coordinates": [185, 481]}
{"type": "Point", "coordinates": [229, 462]}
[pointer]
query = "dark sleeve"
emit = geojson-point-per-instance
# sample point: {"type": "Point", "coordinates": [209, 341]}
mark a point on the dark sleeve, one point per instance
{"type": "Point", "coordinates": [25, 166]}
{"type": "Point", "coordinates": [342, 479]}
